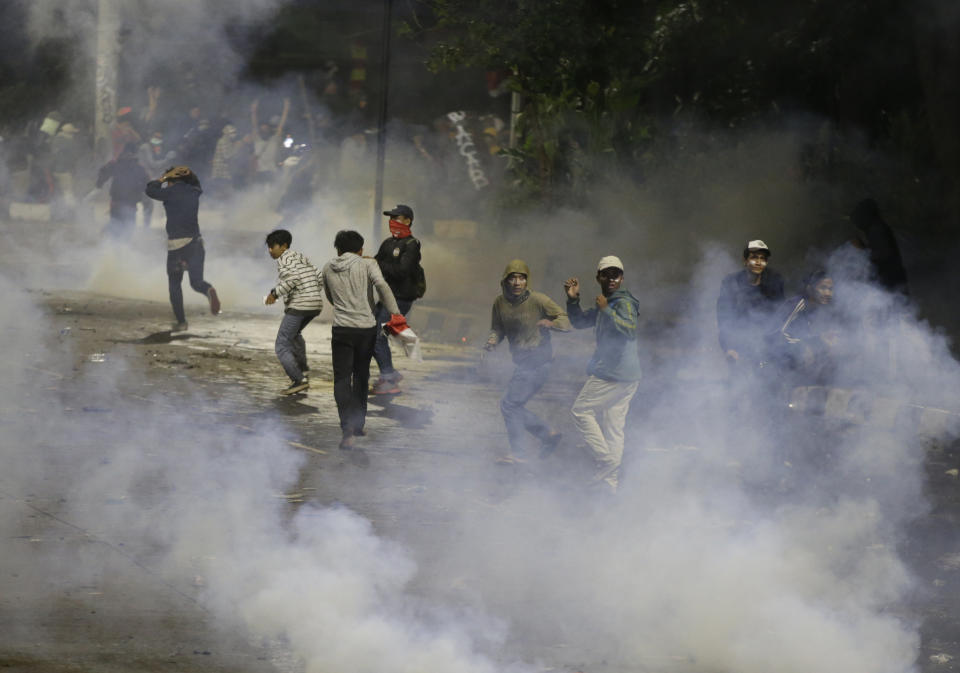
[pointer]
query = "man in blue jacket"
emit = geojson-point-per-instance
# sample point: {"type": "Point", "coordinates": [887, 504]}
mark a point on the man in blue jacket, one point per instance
{"type": "Point", "coordinates": [600, 410]}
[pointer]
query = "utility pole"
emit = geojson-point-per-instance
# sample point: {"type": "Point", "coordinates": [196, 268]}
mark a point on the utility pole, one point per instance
{"type": "Point", "coordinates": [108, 51]}
{"type": "Point", "coordinates": [382, 120]}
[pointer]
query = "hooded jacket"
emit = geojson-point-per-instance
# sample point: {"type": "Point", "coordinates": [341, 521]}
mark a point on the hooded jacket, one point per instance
{"type": "Point", "coordinates": [616, 357]}
{"type": "Point", "coordinates": [181, 201]}
{"type": "Point", "coordinates": [515, 318]}
{"type": "Point", "coordinates": [349, 281]}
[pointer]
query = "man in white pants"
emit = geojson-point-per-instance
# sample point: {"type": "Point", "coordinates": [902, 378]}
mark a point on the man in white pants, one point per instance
{"type": "Point", "coordinates": [600, 410]}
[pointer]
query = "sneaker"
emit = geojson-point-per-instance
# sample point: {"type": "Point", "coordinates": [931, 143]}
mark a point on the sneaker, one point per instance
{"type": "Point", "coordinates": [393, 377]}
{"type": "Point", "coordinates": [214, 301]}
{"type": "Point", "coordinates": [346, 443]}
{"type": "Point", "coordinates": [178, 327]}
{"type": "Point", "coordinates": [549, 445]}
{"type": "Point", "coordinates": [296, 387]}
{"type": "Point", "coordinates": [384, 387]}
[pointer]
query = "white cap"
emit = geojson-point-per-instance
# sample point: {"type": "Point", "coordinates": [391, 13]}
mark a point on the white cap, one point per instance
{"type": "Point", "coordinates": [608, 262]}
{"type": "Point", "coordinates": [757, 245]}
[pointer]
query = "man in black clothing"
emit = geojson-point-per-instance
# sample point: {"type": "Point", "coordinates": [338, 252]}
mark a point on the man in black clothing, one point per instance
{"type": "Point", "coordinates": [126, 177]}
{"type": "Point", "coordinates": [399, 260]}
{"type": "Point", "coordinates": [179, 190]}
{"type": "Point", "coordinates": [746, 303]}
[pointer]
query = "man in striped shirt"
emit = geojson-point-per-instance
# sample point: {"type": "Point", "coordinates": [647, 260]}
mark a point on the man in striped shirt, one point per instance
{"type": "Point", "coordinates": [301, 288]}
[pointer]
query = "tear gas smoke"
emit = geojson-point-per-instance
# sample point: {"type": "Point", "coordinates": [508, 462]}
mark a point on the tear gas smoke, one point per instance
{"type": "Point", "coordinates": [698, 563]}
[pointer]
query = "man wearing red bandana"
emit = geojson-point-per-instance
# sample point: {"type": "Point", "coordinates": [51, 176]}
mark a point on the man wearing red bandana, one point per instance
{"type": "Point", "coordinates": [399, 260]}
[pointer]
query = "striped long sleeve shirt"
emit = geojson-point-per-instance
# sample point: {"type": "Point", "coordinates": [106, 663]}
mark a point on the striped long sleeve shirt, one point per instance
{"type": "Point", "coordinates": [301, 283]}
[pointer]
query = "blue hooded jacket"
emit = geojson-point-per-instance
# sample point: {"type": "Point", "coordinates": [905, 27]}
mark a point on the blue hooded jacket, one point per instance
{"type": "Point", "coordinates": [616, 357]}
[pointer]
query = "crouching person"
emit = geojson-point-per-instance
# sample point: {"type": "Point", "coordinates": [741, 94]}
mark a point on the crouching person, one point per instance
{"type": "Point", "coordinates": [300, 285]}
{"type": "Point", "coordinates": [600, 410]}
{"type": "Point", "coordinates": [525, 319]}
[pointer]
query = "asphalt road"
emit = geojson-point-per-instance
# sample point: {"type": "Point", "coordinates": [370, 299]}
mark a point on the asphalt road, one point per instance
{"type": "Point", "coordinates": [89, 578]}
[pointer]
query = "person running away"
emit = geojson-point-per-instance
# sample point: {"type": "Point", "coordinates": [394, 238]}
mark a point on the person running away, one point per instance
{"type": "Point", "coordinates": [179, 190]}
{"type": "Point", "coordinates": [349, 281]}
{"type": "Point", "coordinates": [300, 286]}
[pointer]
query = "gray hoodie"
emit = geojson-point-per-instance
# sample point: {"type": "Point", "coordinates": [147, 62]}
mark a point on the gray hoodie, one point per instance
{"type": "Point", "coordinates": [349, 281]}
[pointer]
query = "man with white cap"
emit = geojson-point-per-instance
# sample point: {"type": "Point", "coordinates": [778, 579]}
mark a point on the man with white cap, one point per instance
{"type": "Point", "coordinates": [748, 298]}
{"type": "Point", "coordinates": [600, 410]}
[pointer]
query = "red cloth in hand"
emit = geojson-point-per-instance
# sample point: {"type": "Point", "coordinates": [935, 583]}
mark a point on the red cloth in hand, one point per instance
{"type": "Point", "coordinates": [395, 325]}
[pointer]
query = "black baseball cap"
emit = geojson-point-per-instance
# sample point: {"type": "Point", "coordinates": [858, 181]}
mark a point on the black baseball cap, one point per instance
{"type": "Point", "coordinates": [400, 209]}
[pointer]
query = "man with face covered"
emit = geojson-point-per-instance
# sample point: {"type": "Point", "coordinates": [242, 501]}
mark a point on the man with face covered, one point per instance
{"type": "Point", "coordinates": [525, 319]}
{"type": "Point", "coordinates": [746, 303]}
{"type": "Point", "coordinates": [600, 410]}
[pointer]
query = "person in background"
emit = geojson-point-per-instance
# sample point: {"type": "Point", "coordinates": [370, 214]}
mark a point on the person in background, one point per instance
{"type": "Point", "coordinates": [66, 151]}
{"type": "Point", "coordinates": [300, 286]}
{"type": "Point", "coordinates": [600, 410]}
{"type": "Point", "coordinates": [399, 260]}
{"type": "Point", "coordinates": [525, 319]}
{"type": "Point", "coordinates": [154, 157]}
{"type": "Point", "coordinates": [268, 141]}
{"type": "Point", "coordinates": [748, 298]}
{"type": "Point", "coordinates": [875, 236]}
{"type": "Point", "coordinates": [127, 178]}
{"type": "Point", "coordinates": [122, 132]}
{"type": "Point", "coordinates": [349, 282]}
{"type": "Point", "coordinates": [179, 190]}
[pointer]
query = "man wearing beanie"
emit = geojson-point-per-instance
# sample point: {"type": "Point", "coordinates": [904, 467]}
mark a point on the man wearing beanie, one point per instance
{"type": "Point", "coordinates": [600, 410]}
{"type": "Point", "coordinates": [399, 260]}
{"type": "Point", "coordinates": [525, 318]}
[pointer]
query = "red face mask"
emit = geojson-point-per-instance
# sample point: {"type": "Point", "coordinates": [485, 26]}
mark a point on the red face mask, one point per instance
{"type": "Point", "coordinates": [399, 229]}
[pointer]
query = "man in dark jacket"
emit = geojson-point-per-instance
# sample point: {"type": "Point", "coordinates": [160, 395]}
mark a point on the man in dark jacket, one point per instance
{"type": "Point", "coordinates": [746, 303]}
{"type": "Point", "coordinates": [179, 190]}
{"type": "Point", "coordinates": [600, 410]}
{"type": "Point", "coordinates": [126, 177]}
{"type": "Point", "coordinates": [399, 260]}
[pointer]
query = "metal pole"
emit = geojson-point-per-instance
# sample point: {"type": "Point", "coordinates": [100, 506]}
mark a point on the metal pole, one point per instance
{"type": "Point", "coordinates": [382, 120]}
{"type": "Point", "coordinates": [105, 102]}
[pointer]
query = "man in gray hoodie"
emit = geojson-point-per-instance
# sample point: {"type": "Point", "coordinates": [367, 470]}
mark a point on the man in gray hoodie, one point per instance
{"type": "Point", "coordinates": [349, 282]}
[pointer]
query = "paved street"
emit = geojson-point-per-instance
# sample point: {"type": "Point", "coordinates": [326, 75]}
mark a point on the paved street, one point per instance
{"type": "Point", "coordinates": [163, 508]}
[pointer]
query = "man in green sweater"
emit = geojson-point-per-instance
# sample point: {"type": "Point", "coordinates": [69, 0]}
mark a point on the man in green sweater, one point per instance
{"type": "Point", "coordinates": [600, 410]}
{"type": "Point", "coordinates": [525, 318]}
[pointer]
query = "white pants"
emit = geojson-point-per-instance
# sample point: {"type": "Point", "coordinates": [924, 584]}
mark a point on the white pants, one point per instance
{"type": "Point", "coordinates": [600, 413]}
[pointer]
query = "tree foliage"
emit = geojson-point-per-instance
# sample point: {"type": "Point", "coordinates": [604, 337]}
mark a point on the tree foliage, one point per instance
{"type": "Point", "coordinates": [602, 80]}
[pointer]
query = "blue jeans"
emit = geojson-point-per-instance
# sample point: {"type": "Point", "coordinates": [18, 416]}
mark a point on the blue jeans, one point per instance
{"type": "Point", "coordinates": [190, 259]}
{"type": "Point", "coordinates": [524, 384]}
{"type": "Point", "coordinates": [381, 350]}
{"type": "Point", "coordinates": [290, 347]}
